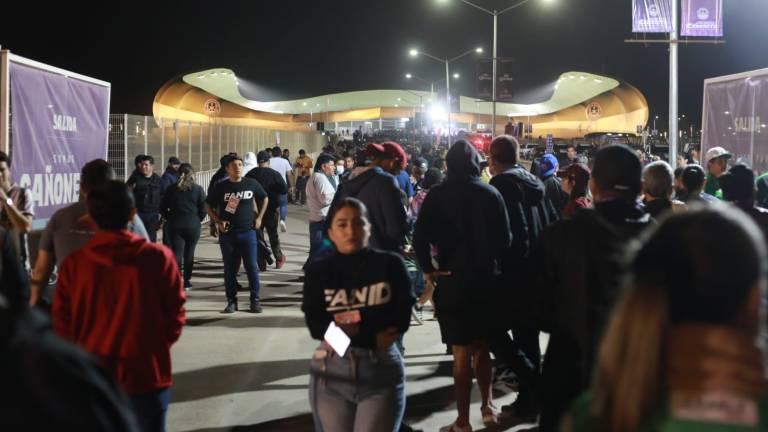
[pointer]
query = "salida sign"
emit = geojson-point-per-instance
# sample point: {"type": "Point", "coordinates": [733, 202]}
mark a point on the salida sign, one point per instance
{"type": "Point", "coordinates": [59, 124]}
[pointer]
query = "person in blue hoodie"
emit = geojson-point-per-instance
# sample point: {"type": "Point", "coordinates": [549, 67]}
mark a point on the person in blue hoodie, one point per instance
{"type": "Point", "coordinates": [548, 166]}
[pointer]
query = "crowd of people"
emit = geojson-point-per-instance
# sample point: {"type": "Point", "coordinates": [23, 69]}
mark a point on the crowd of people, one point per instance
{"type": "Point", "coordinates": [649, 282]}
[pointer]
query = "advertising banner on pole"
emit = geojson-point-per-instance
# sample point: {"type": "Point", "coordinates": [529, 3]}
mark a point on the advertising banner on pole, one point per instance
{"type": "Point", "coordinates": [485, 78]}
{"type": "Point", "coordinates": [59, 124]}
{"type": "Point", "coordinates": [652, 16]}
{"type": "Point", "coordinates": [735, 117]}
{"type": "Point", "coordinates": [702, 18]}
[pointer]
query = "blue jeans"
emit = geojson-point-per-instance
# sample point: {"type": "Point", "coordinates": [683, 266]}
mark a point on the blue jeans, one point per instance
{"type": "Point", "coordinates": [283, 200]}
{"type": "Point", "coordinates": [233, 246]}
{"type": "Point", "coordinates": [318, 247]}
{"type": "Point", "coordinates": [417, 280]}
{"type": "Point", "coordinates": [150, 409]}
{"type": "Point", "coordinates": [363, 391]}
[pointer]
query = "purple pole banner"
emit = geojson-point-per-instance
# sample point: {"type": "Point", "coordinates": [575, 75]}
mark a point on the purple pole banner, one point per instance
{"type": "Point", "coordinates": [651, 16]}
{"type": "Point", "coordinates": [702, 18]}
{"type": "Point", "coordinates": [59, 124]}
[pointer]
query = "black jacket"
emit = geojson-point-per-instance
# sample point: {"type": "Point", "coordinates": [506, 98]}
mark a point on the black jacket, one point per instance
{"type": "Point", "coordinates": [555, 196]}
{"type": "Point", "coordinates": [381, 195]}
{"type": "Point", "coordinates": [47, 382]}
{"type": "Point", "coordinates": [272, 182]}
{"type": "Point", "coordinates": [217, 177]}
{"type": "Point", "coordinates": [14, 284]}
{"type": "Point", "coordinates": [374, 282]}
{"type": "Point", "coordinates": [578, 271]}
{"type": "Point", "coordinates": [148, 192]}
{"type": "Point", "coordinates": [183, 207]}
{"type": "Point", "coordinates": [523, 195]}
{"type": "Point", "coordinates": [465, 218]}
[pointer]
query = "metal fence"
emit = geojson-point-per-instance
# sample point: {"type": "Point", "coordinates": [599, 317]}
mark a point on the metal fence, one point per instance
{"type": "Point", "coordinates": [199, 144]}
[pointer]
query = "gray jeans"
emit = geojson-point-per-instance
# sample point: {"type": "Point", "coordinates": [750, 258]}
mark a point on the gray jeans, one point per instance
{"type": "Point", "coordinates": [364, 391]}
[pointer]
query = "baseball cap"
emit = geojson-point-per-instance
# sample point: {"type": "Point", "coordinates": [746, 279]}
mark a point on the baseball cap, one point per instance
{"type": "Point", "coordinates": [173, 160]}
{"type": "Point", "coordinates": [388, 150]}
{"type": "Point", "coordinates": [548, 165]}
{"type": "Point", "coordinates": [716, 152]}
{"type": "Point", "coordinates": [263, 156]}
{"type": "Point", "coordinates": [577, 172]}
{"type": "Point", "coordinates": [618, 168]}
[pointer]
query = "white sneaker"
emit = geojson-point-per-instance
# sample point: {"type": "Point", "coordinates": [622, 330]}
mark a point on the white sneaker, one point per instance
{"type": "Point", "coordinates": [283, 228]}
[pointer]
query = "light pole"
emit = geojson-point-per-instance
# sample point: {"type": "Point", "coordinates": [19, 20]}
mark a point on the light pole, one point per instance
{"type": "Point", "coordinates": [447, 62]}
{"type": "Point", "coordinates": [654, 122]}
{"type": "Point", "coordinates": [495, 14]}
{"type": "Point", "coordinates": [431, 83]}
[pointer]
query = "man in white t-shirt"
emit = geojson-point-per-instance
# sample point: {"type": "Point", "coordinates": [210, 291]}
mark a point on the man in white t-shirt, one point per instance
{"type": "Point", "coordinates": [282, 166]}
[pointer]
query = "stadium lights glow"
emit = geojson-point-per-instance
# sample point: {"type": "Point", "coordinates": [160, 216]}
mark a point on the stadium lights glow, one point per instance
{"type": "Point", "coordinates": [409, 76]}
{"type": "Point", "coordinates": [478, 50]}
{"type": "Point", "coordinates": [597, 80]}
{"type": "Point", "coordinates": [200, 76]}
{"type": "Point", "coordinates": [727, 112]}
{"type": "Point", "coordinates": [413, 52]}
{"type": "Point", "coordinates": [457, 76]}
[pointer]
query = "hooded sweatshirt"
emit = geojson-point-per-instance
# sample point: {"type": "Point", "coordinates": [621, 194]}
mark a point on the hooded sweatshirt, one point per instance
{"type": "Point", "coordinates": [121, 298]}
{"type": "Point", "coordinates": [523, 195]}
{"type": "Point", "coordinates": [464, 218]}
{"type": "Point", "coordinates": [249, 162]}
{"type": "Point", "coordinates": [380, 193]}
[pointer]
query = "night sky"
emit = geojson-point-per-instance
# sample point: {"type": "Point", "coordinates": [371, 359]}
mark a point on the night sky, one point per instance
{"type": "Point", "coordinates": [309, 48]}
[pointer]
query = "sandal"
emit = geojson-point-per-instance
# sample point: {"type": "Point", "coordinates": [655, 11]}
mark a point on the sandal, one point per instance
{"type": "Point", "coordinates": [491, 415]}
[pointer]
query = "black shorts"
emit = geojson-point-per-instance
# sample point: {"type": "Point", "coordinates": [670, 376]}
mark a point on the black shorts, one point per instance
{"type": "Point", "coordinates": [464, 309]}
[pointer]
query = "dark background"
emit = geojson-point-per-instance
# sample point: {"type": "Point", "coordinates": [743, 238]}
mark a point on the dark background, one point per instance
{"type": "Point", "coordinates": [308, 48]}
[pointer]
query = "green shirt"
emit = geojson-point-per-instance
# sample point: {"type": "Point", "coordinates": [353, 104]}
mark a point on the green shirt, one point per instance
{"type": "Point", "coordinates": [713, 186]}
{"type": "Point", "coordinates": [661, 421]}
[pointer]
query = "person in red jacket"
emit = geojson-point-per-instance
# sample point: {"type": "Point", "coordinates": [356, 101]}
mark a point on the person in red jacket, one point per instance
{"type": "Point", "coordinates": [121, 298]}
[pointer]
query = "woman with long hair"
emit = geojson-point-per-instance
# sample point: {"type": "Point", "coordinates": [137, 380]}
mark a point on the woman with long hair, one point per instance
{"type": "Point", "coordinates": [183, 209]}
{"type": "Point", "coordinates": [683, 350]}
{"type": "Point", "coordinates": [357, 302]}
{"type": "Point", "coordinates": [576, 184]}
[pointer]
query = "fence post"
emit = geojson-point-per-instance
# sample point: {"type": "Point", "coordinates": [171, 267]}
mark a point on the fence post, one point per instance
{"type": "Point", "coordinates": [145, 136]}
{"type": "Point", "coordinates": [189, 139]}
{"type": "Point", "coordinates": [176, 136]}
{"type": "Point", "coordinates": [219, 140]}
{"type": "Point", "coordinates": [125, 147]}
{"type": "Point", "coordinates": [162, 138]}
{"type": "Point", "coordinates": [210, 142]}
{"type": "Point", "coordinates": [201, 147]}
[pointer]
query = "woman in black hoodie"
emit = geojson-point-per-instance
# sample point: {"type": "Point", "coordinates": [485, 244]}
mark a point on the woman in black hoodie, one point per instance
{"type": "Point", "coordinates": [361, 297]}
{"type": "Point", "coordinates": [466, 220]}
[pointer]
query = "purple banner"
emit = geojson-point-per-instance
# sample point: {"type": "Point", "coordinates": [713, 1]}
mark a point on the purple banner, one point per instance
{"type": "Point", "coordinates": [702, 18]}
{"type": "Point", "coordinates": [736, 117]}
{"type": "Point", "coordinates": [59, 124]}
{"type": "Point", "coordinates": [651, 16]}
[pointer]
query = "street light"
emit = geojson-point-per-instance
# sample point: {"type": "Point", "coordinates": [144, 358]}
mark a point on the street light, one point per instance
{"type": "Point", "coordinates": [447, 61]}
{"type": "Point", "coordinates": [495, 14]}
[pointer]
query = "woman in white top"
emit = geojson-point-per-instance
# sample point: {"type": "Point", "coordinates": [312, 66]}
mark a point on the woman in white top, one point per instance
{"type": "Point", "coordinates": [320, 192]}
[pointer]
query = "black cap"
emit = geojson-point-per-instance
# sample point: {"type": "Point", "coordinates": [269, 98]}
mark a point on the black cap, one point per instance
{"type": "Point", "coordinates": [173, 160]}
{"type": "Point", "coordinates": [263, 156]}
{"type": "Point", "coordinates": [618, 168]}
{"type": "Point", "coordinates": [432, 178]}
{"type": "Point", "coordinates": [738, 183]}
{"type": "Point", "coordinates": [693, 177]}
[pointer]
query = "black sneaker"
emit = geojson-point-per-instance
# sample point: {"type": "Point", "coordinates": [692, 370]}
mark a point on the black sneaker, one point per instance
{"type": "Point", "coordinates": [231, 307]}
{"type": "Point", "coordinates": [255, 307]}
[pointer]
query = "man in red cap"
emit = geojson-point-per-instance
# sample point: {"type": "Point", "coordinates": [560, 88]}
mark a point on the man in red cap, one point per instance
{"type": "Point", "coordinates": [395, 164]}
{"type": "Point", "coordinates": [377, 188]}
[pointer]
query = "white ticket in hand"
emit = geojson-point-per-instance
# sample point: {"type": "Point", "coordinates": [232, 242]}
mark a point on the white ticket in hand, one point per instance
{"type": "Point", "coordinates": [337, 339]}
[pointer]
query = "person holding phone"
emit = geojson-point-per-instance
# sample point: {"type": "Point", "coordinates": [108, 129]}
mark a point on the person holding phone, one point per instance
{"type": "Point", "coordinates": [357, 302]}
{"type": "Point", "coordinates": [237, 206]}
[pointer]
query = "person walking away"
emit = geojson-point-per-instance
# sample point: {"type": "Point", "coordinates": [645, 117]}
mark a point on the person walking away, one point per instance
{"type": "Point", "coordinates": [658, 187]}
{"type": "Point", "coordinates": [364, 296]}
{"type": "Point", "coordinates": [169, 178]}
{"type": "Point", "coordinates": [148, 191]}
{"type": "Point", "coordinates": [68, 230]}
{"type": "Point", "coordinates": [237, 206]}
{"type": "Point", "coordinates": [249, 162]}
{"type": "Point", "coordinates": [738, 185]}
{"type": "Point", "coordinates": [575, 181]}
{"type": "Point", "coordinates": [576, 273]}
{"type": "Point", "coordinates": [282, 166]}
{"type": "Point", "coordinates": [524, 198]}
{"type": "Point", "coordinates": [685, 343]}
{"type": "Point", "coordinates": [555, 195]}
{"type": "Point", "coordinates": [183, 209]}
{"type": "Point", "coordinates": [275, 186]}
{"type": "Point", "coordinates": [121, 298]}
{"type": "Point", "coordinates": [694, 180]}
{"type": "Point", "coordinates": [470, 246]}
{"type": "Point", "coordinates": [303, 165]}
